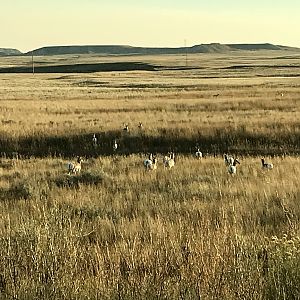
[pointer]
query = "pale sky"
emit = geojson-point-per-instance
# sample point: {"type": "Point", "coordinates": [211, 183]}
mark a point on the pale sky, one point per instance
{"type": "Point", "coordinates": [31, 24]}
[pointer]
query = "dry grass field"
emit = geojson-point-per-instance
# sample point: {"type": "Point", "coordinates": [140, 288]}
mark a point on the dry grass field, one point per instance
{"type": "Point", "coordinates": [117, 231]}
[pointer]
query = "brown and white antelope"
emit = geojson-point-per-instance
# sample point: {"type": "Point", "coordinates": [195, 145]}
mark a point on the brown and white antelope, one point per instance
{"type": "Point", "coordinates": [229, 160]}
{"type": "Point", "coordinates": [265, 165]}
{"type": "Point", "coordinates": [75, 167]}
{"type": "Point", "coordinates": [198, 153]}
{"type": "Point", "coordinates": [115, 145]}
{"type": "Point", "coordinates": [232, 167]}
{"type": "Point", "coordinates": [150, 163]}
{"type": "Point", "coordinates": [125, 127]}
{"type": "Point", "coordinates": [169, 161]}
{"type": "Point", "coordinates": [94, 140]}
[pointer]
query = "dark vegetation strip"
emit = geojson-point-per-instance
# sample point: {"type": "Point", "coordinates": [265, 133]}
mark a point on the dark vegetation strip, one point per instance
{"type": "Point", "coordinates": [236, 141]}
{"type": "Point", "coordinates": [90, 68]}
{"type": "Point", "coordinates": [138, 86]}
{"type": "Point", "coordinates": [82, 68]}
{"type": "Point", "coordinates": [240, 106]}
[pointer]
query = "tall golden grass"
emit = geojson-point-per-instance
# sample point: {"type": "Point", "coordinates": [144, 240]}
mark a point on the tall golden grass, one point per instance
{"type": "Point", "coordinates": [190, 232]}
{"type": "Point", "coordinates": [117, 231]}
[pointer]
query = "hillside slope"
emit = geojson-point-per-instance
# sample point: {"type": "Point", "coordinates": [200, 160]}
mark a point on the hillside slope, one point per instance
{"type": "Point", "coordinates": [9, 52]}
{"type": "Point", "coordinates": [128, 50]}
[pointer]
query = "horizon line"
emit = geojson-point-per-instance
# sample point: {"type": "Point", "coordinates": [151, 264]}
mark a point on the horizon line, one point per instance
{"type": "Point", "coordinates": [153, 47]}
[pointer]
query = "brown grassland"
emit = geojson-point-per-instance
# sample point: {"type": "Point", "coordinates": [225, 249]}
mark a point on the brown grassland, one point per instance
{"type": "Point", "coordinates": [116, 231]}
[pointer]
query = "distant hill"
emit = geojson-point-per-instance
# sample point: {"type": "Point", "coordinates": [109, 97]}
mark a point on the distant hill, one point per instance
{"type": "Point", "coordinates": [9, 52]}
{"type": "Point", "coordinates": [266, 46]}
{"type": "Point", "coordinates": [129, 50]}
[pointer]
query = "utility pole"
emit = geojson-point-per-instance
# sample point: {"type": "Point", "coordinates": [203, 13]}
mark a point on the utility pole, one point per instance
{"type": "Point", "coordinates": [32, 63]}
{"type": "Point", "coordinates": [186, 62]}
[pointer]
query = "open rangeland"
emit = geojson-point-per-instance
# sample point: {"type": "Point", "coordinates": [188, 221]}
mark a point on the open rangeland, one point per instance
{"type": "Point", "coordinates": [115, 230]}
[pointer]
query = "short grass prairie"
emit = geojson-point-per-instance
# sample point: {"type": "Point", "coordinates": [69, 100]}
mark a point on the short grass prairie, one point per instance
{"type": "Point", "coordinates": [117, 231]}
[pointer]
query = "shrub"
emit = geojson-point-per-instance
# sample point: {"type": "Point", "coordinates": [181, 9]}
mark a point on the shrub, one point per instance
{"type": "Point", "coordinates": [19, 190]}
{"type": "Point", "coordinates": [86, 178]}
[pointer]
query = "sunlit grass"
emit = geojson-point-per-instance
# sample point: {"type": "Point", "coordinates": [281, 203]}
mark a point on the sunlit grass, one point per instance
{"type": "Point", "coordinates": [117, 231]}
{"type": "Point", "coordinates": [175, 231]}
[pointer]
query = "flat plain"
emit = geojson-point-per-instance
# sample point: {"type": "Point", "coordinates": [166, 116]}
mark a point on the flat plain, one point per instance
{"type": "Point", "coordinates": [117, 231]}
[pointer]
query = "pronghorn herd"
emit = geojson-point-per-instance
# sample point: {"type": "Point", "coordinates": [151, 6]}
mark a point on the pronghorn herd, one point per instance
{"type": "Point", "coordinates": [114, 143]}
{"type": "Point", "coordinates": [168, 160]}
{"type": "Point", "coordinates": [150, 163]}
{"type": "Point", "coordinates": [231, 164]}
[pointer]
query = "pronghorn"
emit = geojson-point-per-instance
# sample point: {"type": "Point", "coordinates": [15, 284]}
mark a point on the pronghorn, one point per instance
{"type": "Point", "coordinates": [125, 127]}
{"type": "Point", "coordinates": [232, 168]}
{"type": "Point", "coordinates": [94, 140]}
{"type": "Point", "coordinates": [198, 153]}
{"type": "Point", "coordinates": [140, 126]}
{"type": "Point", "coordinates": [115, 145]}
{"type": "Point", "coordinates": [150, 163]}
{"type": "Point", "coordinates": [75, 167]}
{"type": "Point", "coordinates": [169, 161]}
{"type": "Point", "coordinates": [279, 94]}
{"type": "Point", "coordinates": [229, 160]}
{"type": "Point", "coordinates": [265, 165]}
